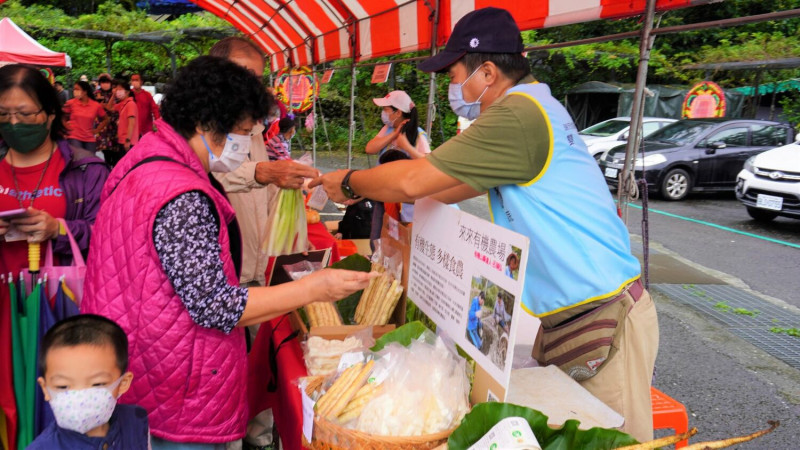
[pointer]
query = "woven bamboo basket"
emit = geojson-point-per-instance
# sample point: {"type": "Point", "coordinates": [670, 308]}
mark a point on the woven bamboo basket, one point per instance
{"type": "Point", "coordinates": [331, 436]}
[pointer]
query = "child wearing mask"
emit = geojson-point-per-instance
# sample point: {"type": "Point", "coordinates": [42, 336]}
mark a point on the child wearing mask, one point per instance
{"type": "Point", "coordinates": [278, 146]}
{"type": "Point", "coordinates": [84, 362]}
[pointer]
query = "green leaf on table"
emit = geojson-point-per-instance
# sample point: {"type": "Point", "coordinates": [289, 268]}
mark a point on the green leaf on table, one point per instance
{"type": "Point", "coordinates": [402, 335]}
{"type": "Point", "coordinates": [347, 305]}
{"type": "Point", "coordinates": [486, 415]}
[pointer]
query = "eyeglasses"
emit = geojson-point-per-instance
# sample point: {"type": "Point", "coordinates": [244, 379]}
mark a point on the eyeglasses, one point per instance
{"type": "Point", "coordinates": [24, 117]}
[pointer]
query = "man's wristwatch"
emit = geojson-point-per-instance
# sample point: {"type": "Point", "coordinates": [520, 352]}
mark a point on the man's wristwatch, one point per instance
{"type": "Point", "coordinates": [346, 189]}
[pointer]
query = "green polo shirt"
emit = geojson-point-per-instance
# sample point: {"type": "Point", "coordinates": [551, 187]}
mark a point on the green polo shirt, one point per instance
{"type": "Point", "coordinates": [507, 144]}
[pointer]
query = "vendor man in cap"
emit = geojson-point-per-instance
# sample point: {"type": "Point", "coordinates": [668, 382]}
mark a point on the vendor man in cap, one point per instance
{"type": "Point", "coordinates": [525, 152]}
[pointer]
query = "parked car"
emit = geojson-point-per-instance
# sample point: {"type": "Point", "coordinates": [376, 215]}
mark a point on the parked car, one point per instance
{"type": "Point", "coordinates": [697, 154]}
{"type": "Point", "coordinates": [769, 184]}
{"type": "Point", "coordinates": [603, 136]}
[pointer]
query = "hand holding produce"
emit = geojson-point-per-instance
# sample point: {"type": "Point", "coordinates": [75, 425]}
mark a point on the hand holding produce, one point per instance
{"type": "Point", "coordinates": [379, 298]}
{"type": "Point", "coordinates": [335, 284]}
{"type": "Point", "coordinates": [287, 230]}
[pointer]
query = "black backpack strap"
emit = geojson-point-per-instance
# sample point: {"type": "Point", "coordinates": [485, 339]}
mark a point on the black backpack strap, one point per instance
{"type": "Point", "coordinates": [143, 162]}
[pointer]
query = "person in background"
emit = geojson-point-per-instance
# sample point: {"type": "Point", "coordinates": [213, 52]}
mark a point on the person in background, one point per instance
{"type": "Point", "coordinates": [63, 94]}
{"type": "Point", "coordinates": [500, 314]}
{"type": "Point", "coordinates": [400, 131]}
{"type": "Point", "coordinates": [523, 150]}
{"type": "Point", "coordinates": [512, 265]}
{"type": "Point", "coordinates": [107, 138]}
{"type": "Point", "coordinates": [403, 212]}
{"type": "Point", "coordinates": [148, 110]}
{"type": "Point", "coordinates": [84, 363]}
{"type": "Point", "coordinates": [128, 125]}
{"type": "Point", "coordinates": [39, 161]}
{"type": "Point", "coordinates": [474, 319]}
{"type": "Point", "coordinates": [278, 147]}
{"type": "Point", "coordinates": [86, 118]}
{"type": "Point", "coordinates": [165, 260]}
{"type": "Point", "coordinates": [249, 187]}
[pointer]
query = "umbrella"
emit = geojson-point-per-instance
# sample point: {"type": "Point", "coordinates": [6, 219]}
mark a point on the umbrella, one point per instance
{"type": "Point", "coordinates": [8, 403]}
{"type": "Point", "coordinates": [25, 336]}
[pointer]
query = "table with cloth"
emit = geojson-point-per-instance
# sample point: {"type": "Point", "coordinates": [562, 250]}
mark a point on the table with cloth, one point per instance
{"type": "Point", "coordinates": [276, 361]}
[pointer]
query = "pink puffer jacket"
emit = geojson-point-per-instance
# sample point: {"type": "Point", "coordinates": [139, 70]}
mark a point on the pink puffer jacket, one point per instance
{"type": "Point", "coordinates": [190, 379]}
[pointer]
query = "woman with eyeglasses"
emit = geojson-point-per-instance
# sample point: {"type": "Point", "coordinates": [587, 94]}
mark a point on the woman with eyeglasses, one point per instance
{"type": "Point", "coordinates": [41, 173]}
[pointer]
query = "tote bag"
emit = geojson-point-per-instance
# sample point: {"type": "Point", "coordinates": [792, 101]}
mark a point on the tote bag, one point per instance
{"type": "Point", "coordinates": [74, 275]}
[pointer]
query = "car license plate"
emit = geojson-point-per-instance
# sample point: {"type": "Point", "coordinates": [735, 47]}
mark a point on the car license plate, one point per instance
{"type": "Point", "coordinates": [769, 202]}
{"type": "Point", "coordinates": [611, 172]}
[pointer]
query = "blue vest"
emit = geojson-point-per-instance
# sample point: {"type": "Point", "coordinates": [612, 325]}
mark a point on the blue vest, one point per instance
{"type": "Point", "coordinates": [128, 430]}
{"type": "Point", "coordinates": [579, 248]}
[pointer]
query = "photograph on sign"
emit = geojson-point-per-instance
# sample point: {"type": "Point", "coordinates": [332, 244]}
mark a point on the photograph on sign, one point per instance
{"type": "Point", "coordinates": [466, 275]}
{"type": "Point", "coordinates": [490, 312]}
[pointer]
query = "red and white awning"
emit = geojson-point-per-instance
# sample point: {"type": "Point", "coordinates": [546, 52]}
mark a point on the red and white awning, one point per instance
{"type": "Point", "coordinates": [17, 47]}
{"type": "Point", "coordinates": [303, 32]}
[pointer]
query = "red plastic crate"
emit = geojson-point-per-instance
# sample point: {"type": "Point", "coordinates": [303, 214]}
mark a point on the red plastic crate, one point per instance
{"type": "Point", "coordinates": [669, 413]}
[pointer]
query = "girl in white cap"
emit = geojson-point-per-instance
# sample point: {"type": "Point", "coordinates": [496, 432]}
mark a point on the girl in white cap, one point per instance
{"type": "Point", "coordinates": [401, 132]}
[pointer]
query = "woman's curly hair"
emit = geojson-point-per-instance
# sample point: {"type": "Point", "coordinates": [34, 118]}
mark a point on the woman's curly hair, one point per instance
{"type": "Point", "coordinates": [214, 94]}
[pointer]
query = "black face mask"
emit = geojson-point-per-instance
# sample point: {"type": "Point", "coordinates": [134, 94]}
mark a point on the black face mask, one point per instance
{"type": "Point", "coordinates": [24, 137]}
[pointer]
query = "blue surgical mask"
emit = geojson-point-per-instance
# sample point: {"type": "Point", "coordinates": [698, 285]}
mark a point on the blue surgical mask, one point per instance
{"type": "Point", "coordinates": [461, 107]}
{"type": "Point", "coordinates": [385, 119]}
{"type": "Point", "coordinates": [235, 152]}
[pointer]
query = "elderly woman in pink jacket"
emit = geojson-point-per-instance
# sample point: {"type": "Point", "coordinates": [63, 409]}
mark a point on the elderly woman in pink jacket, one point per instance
{"type": "Point", "coordinates": [165, 258]}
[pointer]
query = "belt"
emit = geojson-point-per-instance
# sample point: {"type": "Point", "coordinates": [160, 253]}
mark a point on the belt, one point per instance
{"type": "Point", "coordinates": [635, 289]}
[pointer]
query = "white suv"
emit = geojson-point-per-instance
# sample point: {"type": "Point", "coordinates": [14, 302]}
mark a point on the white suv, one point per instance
{"type": "Point", "coordinates": [603, 136]}
{"type": "Point", "coordinates": [769, 184]}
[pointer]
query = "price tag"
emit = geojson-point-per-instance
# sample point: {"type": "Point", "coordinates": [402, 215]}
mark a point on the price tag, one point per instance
{"type": "Point", "coordinates": [308, 415]}
{"type": "Point", "coordinates": [350, 359]}
{"type": "Point", "coordinates": [318, 198]}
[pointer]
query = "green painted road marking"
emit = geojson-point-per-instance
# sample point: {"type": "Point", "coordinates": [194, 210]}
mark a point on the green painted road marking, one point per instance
{"type": "Point", "coordinates": [713, 225]}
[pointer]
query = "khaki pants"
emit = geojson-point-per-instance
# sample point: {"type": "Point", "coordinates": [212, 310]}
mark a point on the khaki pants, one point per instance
{"type": "Point", "coordinates": [623, 382]}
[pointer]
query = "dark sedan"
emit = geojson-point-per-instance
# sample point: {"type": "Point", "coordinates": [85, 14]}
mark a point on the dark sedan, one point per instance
{"type": "Point", "coordinates": [697, 154]}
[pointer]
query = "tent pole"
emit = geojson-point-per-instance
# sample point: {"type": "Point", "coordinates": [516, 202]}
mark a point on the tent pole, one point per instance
{"type": "Point", "coordinates": [314, 117]}
{"type": "Point", "coordinates": [432, 87]}
{"type": "Point", "coordinates": [352, 114]}
{"type": "Point", "coordinates": [634, 136]}
{"type": "Point", "coordinates": [324, 127]}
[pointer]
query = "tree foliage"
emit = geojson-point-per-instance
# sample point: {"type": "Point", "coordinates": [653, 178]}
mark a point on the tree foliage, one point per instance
{"type": "Point", "coordinates": [562, 68]}
{"type": "Point", "coordinates": [43, 20]}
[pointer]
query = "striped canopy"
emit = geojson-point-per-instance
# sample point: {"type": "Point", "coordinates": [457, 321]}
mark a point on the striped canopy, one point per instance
{"type": "Point", "coordinates": [303, 32]}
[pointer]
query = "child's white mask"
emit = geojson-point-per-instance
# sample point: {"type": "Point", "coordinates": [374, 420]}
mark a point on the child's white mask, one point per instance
{"type": "Point", "coordinates": [84, 409]}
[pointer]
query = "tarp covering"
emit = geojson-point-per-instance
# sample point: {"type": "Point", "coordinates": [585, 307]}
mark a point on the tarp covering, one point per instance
{"type": "Point", "coordinates": [595, 101]}
{"type": "Point", "coordinates": [302, 32]}
{"type": "Point", "coordinates": [769, 88]}
{"type": "Point", "coordinates": [16, 46]}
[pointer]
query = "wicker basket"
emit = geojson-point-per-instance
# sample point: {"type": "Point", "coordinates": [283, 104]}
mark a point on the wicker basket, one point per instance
{"type": "Point", "coordinates": [331, 436]}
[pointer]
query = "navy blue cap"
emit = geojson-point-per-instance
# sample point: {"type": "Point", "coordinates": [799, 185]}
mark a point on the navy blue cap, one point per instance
{"type": "Point", "coordinates": [486, 30]}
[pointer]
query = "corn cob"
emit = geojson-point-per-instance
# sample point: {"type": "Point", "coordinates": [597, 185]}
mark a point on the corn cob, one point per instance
{"type": "Point", "coordinates": [390, 302]}
{"type": "Point", "coordinates": [359, 401]}
{"type": "Point", "coordinates": [350, 390]}
{"type": "Point", "coordinates": [333, 393]}
{"type": "Point", "coordinates": [322, 314]}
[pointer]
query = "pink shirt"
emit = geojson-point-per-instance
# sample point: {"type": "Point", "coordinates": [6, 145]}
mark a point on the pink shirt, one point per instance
{"type": "Point", "coordinates": [82, 118]}
{"type": "Point", "coordinates": [127, 109]}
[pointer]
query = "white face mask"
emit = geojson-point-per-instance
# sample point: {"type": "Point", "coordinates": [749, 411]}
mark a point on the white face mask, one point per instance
{"type": "Point", "coordinates": [236, 150]}
{"type": "Point", "coordinates": [84, 409]}
{"type": "Point", "coordinates": [385, 119]}
{"type": "Point", "coordinates": [467, 110]}
{"type": "Point", "coordinates": [120, 94]}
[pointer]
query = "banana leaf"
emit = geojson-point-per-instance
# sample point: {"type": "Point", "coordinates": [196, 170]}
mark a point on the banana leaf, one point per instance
{"type": "Point", "coordinates": [347, 305]}
{"type": "Point", "coordinates": [402, 335]}
{"type": "Point", "coordinates": [485, 415]}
